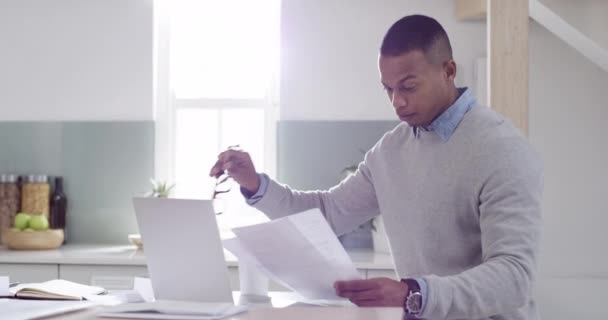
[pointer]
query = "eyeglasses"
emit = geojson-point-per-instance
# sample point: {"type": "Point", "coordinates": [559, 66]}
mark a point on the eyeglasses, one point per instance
{"type": "Point", "coordinates": [222, 185]}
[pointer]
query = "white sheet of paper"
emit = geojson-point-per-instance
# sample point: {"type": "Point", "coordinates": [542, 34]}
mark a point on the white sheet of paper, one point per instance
{"type": "Point", "coordinates": [143, 286]}
{"type": "Point", "coordinates": [4, 287]}
{"type": "Point", "coordinates": [165, 309]}
{"type": "Point", "coordinates": [236, 248]}
{"type": "Point", "coordinates": [116, 297]}
{"type": "Point", "coordinates": [302, 251]}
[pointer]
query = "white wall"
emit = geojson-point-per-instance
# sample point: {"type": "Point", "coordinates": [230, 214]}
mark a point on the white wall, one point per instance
{"type": "Point", "coordinates": [568, 112]}
{"type": "Point", "coordinates": [76, 60]}
{"type": "Point", "coordinates": [330, 51]}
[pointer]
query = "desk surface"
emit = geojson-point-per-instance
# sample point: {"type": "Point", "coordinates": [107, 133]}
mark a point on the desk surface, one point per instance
{"type": "Point", "coordinates": [281, 306]}
{"type": "Point", "coordinates": [291, 313]}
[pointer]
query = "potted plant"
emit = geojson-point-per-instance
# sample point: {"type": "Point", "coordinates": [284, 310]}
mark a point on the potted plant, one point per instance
{"type": "Point", "coordinates": [160, 189]}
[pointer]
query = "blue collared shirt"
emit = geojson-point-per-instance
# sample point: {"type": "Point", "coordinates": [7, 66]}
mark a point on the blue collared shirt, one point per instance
{"type": "Point", "coordinates": [447, 122]}
{"type": "Point", "coordinates": [444, 126]}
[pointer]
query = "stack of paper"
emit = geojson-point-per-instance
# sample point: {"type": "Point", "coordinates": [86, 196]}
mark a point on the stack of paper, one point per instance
{"type": "Point", "coordinates": [174, 310]}
{"type": "Point", "coordinates": [299, 251]}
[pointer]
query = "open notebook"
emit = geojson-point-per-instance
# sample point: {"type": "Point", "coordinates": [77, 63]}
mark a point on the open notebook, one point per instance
{"type": "Point", "coordinates": [55, 290]}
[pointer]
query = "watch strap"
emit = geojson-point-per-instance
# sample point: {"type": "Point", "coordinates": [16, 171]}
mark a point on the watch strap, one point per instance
{"type": "Point", "coordinates": [413, 288]}
{"type": "Point", "coordinates": [412, 285]}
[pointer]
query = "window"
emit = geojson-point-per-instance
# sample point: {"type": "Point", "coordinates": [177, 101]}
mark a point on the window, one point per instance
{"type": "Point", "coordinates": [216, 86]}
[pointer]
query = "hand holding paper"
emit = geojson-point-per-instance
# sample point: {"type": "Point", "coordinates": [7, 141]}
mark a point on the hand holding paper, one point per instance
{"type": "Point", "coordinates": [300, 251]}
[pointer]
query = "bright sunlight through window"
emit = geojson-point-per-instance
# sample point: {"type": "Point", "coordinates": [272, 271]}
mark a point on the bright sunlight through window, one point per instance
{"type": "Point", "coordinates": [223, 48]}
{"type": "Point", "coordinates": [223, 61]}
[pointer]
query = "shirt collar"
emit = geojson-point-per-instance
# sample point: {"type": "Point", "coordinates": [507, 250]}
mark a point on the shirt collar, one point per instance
{"type": "Point", "coordinates": [447, 122]}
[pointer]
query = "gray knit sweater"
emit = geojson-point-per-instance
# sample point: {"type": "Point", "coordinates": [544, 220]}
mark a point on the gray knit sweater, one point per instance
{"type": "Point", "coordinates": [463, 214]}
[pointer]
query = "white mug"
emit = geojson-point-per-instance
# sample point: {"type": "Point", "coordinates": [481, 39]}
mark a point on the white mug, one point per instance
{"type": "Point", "coordinates": [253, 284]}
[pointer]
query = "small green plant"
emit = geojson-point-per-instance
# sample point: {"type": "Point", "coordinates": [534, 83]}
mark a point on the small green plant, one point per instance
{"type": "Point", "coordinates": [160, 189]}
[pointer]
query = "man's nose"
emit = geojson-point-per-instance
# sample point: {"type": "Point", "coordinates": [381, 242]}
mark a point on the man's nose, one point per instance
{"type": "Point", "coordinates": [398, 100]}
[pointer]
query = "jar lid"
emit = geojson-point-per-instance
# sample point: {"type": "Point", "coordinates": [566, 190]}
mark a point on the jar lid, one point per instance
{"type": "Point", "coordinates": [40, 178]}
{"type": "Point", "coordinates": [9, 178]}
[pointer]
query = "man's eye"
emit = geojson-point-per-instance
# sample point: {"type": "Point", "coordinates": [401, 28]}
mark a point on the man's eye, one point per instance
{"type": "Point", "coordinates": [408, 88]}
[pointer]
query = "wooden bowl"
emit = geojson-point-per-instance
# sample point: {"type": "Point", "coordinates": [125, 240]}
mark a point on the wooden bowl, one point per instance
{"type": "Point", "coordinates": [33, 240]}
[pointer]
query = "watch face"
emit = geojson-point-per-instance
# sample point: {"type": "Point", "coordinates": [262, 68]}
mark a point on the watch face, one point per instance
{"type": "Point", "coordinates": [414, 302]}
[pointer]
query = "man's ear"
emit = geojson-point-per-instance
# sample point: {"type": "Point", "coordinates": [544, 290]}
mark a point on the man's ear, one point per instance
{"type": "Point", "coordinates": [449, 69]}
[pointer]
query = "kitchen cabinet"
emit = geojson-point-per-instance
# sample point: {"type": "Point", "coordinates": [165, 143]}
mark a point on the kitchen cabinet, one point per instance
{"type": "Point", "coordinates": [111, 277]}
{"type": "Point", "coordinates": [115, 267]}
{"type": "Point", "coordinates": [25, 272]}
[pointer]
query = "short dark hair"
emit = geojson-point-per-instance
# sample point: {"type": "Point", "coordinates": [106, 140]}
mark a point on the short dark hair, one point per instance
{"type": "Point", "coordinates": [417, 32]}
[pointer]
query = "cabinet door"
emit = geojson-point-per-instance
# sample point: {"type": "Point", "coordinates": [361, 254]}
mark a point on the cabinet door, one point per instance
{"type": "Point", "coordinates": [114, 277]}
{"type": "Point", "coordinates": [18, 272]}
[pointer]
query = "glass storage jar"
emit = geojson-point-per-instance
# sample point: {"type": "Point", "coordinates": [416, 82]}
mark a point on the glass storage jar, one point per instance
{"type": "Point", "coordinates": [35, 195]}
{"type": "Point", "coordinates": [9, 200]}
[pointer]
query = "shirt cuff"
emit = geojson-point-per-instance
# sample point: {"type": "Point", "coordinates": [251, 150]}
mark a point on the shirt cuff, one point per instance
{"type": "Point", "coordinates": [251, 200]}
{"type": "Point", "coordinates": [423, 291]}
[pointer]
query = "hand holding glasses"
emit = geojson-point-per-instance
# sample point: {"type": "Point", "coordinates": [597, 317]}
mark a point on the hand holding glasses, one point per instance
{"type": "Point", "coordinates": [234, 164]}
{"type": "Point", "coordinates": [222, 185]}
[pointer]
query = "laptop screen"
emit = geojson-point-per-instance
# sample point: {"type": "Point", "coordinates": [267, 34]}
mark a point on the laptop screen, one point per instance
{"type": "Point", "coordinates": [183, 249]}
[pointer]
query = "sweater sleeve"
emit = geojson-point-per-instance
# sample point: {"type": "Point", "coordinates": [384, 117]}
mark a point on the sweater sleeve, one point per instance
{"type": "Point", "coordinates": [510, 222]}
{"type": "Point", "coordinates": [345, 206]}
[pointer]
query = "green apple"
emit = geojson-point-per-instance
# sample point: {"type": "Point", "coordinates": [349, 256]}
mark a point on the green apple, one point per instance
{"type": "Point", "coordinates": [39, 223]}
{"type": "Point", "coordinates": [22, 220]}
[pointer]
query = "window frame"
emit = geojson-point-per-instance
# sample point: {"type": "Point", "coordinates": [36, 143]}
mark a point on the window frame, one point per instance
{"type": "Point", "coordinates": [166, 105]}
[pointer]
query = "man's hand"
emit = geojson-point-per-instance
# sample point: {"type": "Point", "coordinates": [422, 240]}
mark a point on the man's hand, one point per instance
{"type": "Point", "coordinates": [376, 292]}
{"type": "Point", "coordinates": [237, 163]}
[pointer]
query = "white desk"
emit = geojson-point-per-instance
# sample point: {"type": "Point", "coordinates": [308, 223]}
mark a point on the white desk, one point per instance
{"type": "Point", "coordinates": [291, 313]}
{"type": "Point", "coordinates": [280, 308]}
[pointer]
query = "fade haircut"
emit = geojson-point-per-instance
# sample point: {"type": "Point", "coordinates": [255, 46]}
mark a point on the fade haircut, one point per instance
{"type": "Point", "coordinates": [417, 32]}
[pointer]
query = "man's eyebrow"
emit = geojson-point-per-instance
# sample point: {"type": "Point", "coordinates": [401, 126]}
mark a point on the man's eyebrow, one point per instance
{"type": "Point", "coordinates": [407, 77]}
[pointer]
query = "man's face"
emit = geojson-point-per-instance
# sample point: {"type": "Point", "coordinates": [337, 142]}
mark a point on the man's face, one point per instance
{"type": "Point", "coordinates": [418, 90]}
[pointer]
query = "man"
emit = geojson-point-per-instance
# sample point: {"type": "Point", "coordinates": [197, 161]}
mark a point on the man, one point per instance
{"type": "Point", "coordinates": [458, 186]}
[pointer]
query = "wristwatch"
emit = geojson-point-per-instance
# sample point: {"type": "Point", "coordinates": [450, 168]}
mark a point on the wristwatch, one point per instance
{"type": "Point", "coordinates": [413, 300]}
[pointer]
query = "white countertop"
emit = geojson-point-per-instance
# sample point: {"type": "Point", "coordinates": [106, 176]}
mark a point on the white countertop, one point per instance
{"type": "Point", "coordinates": [129, 255]}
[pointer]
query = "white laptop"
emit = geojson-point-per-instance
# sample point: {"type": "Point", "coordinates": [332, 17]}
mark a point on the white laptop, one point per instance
{"type": "Point", "coordinates": [183, 249]}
